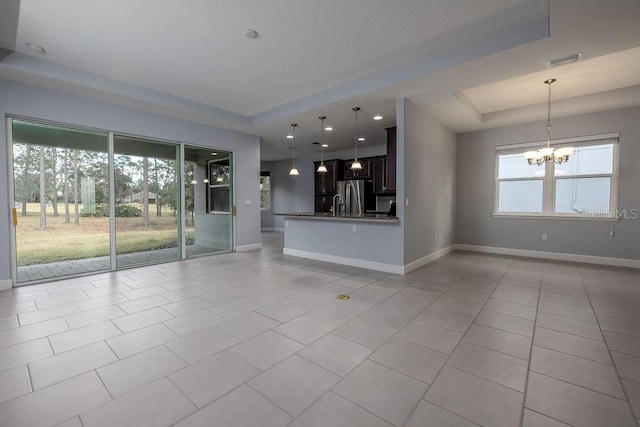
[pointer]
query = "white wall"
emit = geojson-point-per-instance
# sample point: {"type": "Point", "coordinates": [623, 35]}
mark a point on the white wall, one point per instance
{"type": "Point", "coordinates": [476, 191]}
{"type": "Point", "coordinates": [429, 169]}
{"type": "Point", "coordinates": [32, 102]}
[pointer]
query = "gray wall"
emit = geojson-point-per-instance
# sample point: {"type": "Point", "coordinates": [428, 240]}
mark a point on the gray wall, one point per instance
{"type": "Point", "coordinates": [29, 101]}
{"type": "Point", "coordinates": [429, 177]}
{"type": "Point", "coordinates": [475, 191]}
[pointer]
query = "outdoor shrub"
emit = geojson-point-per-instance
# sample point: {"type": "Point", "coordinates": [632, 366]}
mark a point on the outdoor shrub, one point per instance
{"type": "Point", "coordinates": [128, 211]}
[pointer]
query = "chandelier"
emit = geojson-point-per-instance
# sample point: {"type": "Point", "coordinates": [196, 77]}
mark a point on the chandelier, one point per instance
{"type": "Point", "coordinates": [549, 153]}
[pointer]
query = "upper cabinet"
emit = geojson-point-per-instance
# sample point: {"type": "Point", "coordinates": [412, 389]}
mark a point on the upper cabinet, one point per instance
{"type": "Point", "coordinates": [364, 173]}
{"type": "Point", "coordinates": [391, 160]}
{"type": "Point", "coordinates": [325, 182]}
{"type": "Point", "coordinates": [379, 174]}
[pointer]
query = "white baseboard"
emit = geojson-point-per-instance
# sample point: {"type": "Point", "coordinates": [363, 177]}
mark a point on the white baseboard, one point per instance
{"type": "Point", "coordinates": [414, 265]}
{"type": "Point", "coordinates": [556, 256]}
{"type": "Point", "coordinates": [6, 284]}
{"type": "Point", "coordinates": [280, 230]}
{"type": "Point", "coordinates": [249, 247]}
{"type": "Point", "coordinates": [353, 262]}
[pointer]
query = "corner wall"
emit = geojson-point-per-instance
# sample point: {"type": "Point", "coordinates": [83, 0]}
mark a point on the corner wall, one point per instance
{"type": "Point", "coordinates": [37, 103]}
{"type": "Point", "coordinates": [429, 185]}
{"type": "Point", "coordinates": [476, 191]}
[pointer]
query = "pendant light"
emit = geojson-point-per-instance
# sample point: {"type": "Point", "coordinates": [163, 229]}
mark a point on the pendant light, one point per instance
{"type": "Point", "coordinates": [547, 154]}
{"type": "Point", "coordinates": [356, 165]}
{"type": "Point", "coordinates": [294, 170]}
{"type": "Point", "coordinates": [322, 168]}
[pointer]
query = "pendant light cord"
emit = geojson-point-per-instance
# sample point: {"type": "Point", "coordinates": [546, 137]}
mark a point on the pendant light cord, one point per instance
{"type": "Point", "coordinates": [549, 82]}
{"type": "Point", "coordinates": [356, 130]}
{"type": "Point", "coordinates": [294, 144]}
{"type": "Point", "coordinates": [321, 138]}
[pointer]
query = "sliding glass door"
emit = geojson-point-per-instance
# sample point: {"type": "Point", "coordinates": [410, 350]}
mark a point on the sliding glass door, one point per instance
{"type": "Point", "coordinates": [89, 201]}
{"type": "Point", "coordinates": [61, 201]}
{"type": "Point", "coordinates": [208, 201]}
{"type": "Point", "coordinates": [147, 200]}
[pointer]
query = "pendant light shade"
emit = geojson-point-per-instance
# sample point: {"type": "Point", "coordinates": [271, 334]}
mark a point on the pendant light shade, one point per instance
{"type": "Point", "coordinates": [294, 170]}
{"type": "Point", "coordinates": [322, 168]}
{"type": "Point", "coordinates": [356, 165]}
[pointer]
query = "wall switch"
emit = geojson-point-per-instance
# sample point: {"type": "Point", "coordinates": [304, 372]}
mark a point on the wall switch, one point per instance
{"type": "Point", "coordinates": [286, 223]}
{"type": "Point", "coordinates": [354, 228]}
{"type": "Point", "coordinates": [544, 236]}
{"type": "Point", "coordinates": [435, 237]}
{"type": "Point", "coordinates": [406, 202]}
{"type": "Point", "coordinates": [247, 202]}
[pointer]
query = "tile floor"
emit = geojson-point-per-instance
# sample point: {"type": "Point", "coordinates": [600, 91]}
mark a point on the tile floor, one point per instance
{"type": "Point", "coordinates": [259, 339]}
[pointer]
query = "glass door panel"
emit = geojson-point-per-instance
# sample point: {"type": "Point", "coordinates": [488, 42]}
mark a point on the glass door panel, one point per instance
{"type": "Point", "coordinates": [208, 201]}
{"type": "Point", "coordinates": [147, 201]}
{"type": "Point", "coordinates": [61, 195]}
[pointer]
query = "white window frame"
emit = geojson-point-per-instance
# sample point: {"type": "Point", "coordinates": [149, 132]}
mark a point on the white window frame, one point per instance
{"type": "Point", "coordinates": [549, 179]}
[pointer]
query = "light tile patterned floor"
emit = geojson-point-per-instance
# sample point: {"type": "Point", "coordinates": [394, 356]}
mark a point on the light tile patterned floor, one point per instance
{"type": "Point", "coordinates": [259, 339]}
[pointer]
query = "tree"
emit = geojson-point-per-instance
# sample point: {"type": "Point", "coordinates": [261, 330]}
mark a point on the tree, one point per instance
{"type": "Point", "coordinates": [145, 191]}
{"type": "Point", "coordinates": [65, 173]}
{"type": "Point", "coordinates": [54, 184]}
{"type": "Point", "coordinates": [43, 191]}
{"type": "Point", "coordinates": [75, 187]}
{"type": "Point", "coordinates": [25, 179]}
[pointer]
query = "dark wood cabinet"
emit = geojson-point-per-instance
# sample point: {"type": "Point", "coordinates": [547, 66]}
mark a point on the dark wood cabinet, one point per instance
{"type": "Point", "coordinates": [325, 185]}
{"type": "Point", "coordinates": [323, 203]}
{"type": "Point", "coordinates": [391, 160]}
{"type": "Point", "coordinates": [379, 174]}
{"type": "Point", "coordinates": [325, 182]}
{"type": "Point", "coordinates": [364, 173]}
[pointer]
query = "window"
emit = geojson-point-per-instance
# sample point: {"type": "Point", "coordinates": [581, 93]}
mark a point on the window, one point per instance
{"type": "Point", "coordinates": [219, 179]}
{"type": "Point", "coordinates": [585, 186]}
{"type": "Point", "coordinates": [265, 191]}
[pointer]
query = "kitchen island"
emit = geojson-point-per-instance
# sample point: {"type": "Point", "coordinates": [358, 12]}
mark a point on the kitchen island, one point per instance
{"type": "Point", "coordinates": [359, 240]}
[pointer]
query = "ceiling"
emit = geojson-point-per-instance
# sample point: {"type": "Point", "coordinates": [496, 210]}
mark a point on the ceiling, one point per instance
{"type": "Point", "coordinates": [470, 64]}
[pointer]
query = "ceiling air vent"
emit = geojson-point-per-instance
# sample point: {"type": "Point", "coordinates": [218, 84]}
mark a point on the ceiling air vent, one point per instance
{"type": "Point", "coordinates": [556, 62]}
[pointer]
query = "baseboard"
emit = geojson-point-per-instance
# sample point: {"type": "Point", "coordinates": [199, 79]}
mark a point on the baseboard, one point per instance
{"type": "Point", "coordinates": [353, 262]}
{"type": "Point", "coordinates": [249, 247]}
{"type": "Point", "coordinates": [6, 284]}
{"type": "Point", "coordinates": [280, 230]}
{"type": "Point", "coordinates": [414, 265]}
{"type": "Point", "coordinates": [556, 256]}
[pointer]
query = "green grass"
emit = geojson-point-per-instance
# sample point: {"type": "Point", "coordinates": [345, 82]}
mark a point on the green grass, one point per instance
{"type": "Point", "coordinates": [60, 241]}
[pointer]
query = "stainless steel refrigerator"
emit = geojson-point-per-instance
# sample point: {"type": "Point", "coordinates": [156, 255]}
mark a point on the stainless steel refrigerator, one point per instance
{"type": "Point", "coordinates": [356, 197]}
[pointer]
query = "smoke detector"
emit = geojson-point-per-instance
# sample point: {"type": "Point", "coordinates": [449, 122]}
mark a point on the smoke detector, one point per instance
{"type": "Point", "coordinates": [556, 62]}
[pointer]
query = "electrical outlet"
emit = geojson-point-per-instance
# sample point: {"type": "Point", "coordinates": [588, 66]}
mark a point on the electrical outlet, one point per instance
{"type": "Point", "coordinates": [544, 236]}
{"type": "Point", "coordinates": [435, 237]}
{"type": "Point", "coordinates": [406, 202]}
{"type": "Point", "coordinates": [247, 202]}
{"type": "Point", "coordinates": [286, 223]}
{"type": "Point", "coordinates": [354, 228]}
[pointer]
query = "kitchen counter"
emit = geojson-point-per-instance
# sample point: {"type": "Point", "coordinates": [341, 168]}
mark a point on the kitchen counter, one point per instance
{"type": "Point", "coordinates": [328, 216]}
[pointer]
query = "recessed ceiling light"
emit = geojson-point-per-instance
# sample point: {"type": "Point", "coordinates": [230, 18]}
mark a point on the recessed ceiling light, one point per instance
{"type": "Point", "coordinates": [214, 154]}
{"type": "Point", "coordinates": [252, 34]}
{"type": "Point", "coordinates": [328, 128]}
{"type": "Point", "coordinates": [361, 139]}
{"type": "Point", "coordinates": [289, 136]}
{"type": "Point", "coordinates": [325, 145]}
{"type": "Point", "coordinates": [378, 117]}
{"type": "Point", "coordinates": [36, 48]}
